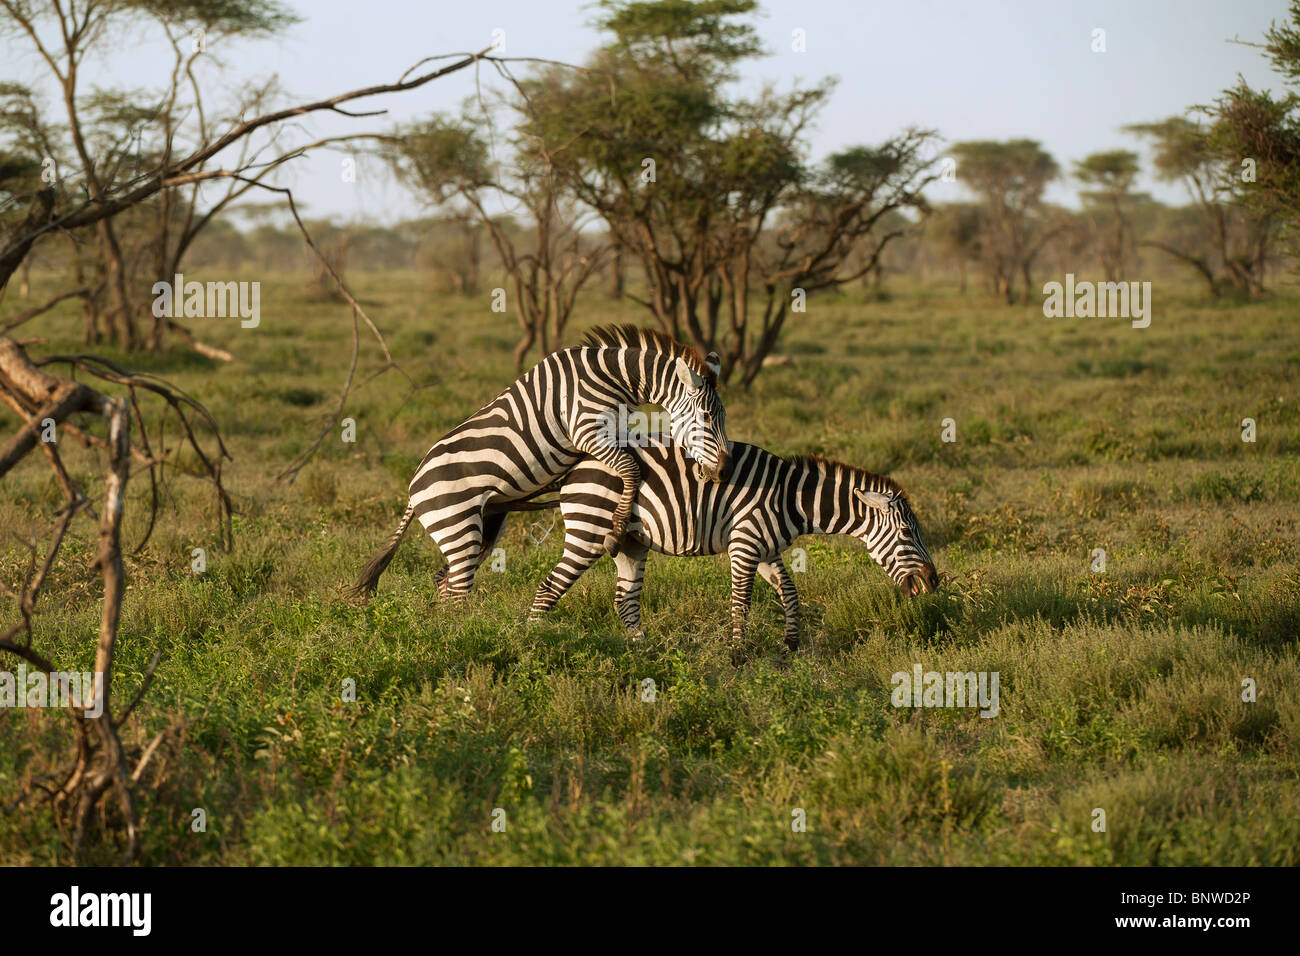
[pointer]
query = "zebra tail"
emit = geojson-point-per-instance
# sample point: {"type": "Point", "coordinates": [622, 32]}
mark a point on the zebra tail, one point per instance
{"type": "Point", "coordinates": [368, 580]}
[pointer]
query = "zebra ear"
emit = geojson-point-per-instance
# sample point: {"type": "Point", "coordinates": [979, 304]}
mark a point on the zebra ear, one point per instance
{"type": "Point", "coordinates": [714, 363]}
{"type": "Point", "coordinates": [873, 499]}
{"type": "Point", "coordinates": [688, 376]}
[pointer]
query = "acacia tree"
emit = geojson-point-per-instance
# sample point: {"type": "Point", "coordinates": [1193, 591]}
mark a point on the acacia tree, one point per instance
{"type": "Point", "coordinates": [1183, 151]}
{"type": "Point", "coordinates": [456, 248]}
{"type": "Point", "coordinates": [27, 158]}
{"type": "Point", "coordinates": [102, 767]}
{"type": "Point", "coordinates": [1110, 176]}
{"type": "Point", "coordinates": [1010, 177]}
{"type": "Point", "coordinates": [181, 120]}
{"type": "Point", "coordinates": [449, 162]}
{"type": "Point", "coordinates": [710, 192]}
{"type": "Point", "coordinates": [831, 230]}
{"type": "Point", "coordinates": [956, 228]}
{"type": "Point", "coordinates": [64, 36]}
{"type": "Point", "coordinates": [1257, 135]}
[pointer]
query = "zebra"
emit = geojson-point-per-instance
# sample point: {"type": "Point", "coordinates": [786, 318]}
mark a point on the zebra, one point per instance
{"type": "Point", "coordinates": [526, 438]}
{"type": "Point", "coordinates": [753, 516]}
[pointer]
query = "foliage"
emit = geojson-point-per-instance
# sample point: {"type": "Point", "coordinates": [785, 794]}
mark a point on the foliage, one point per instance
{"type": "Point", "coordinates": [1253, 127]}
{"type": "Point", "coordinates": [1118, 690]}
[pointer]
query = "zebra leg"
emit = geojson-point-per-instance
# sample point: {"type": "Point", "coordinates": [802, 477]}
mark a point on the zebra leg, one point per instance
{"type": "Point", "coordinates": [628, 469]}
{"type": "Point", "coordinates": [493, 525]}
{"type": "Point", "coordinates": [743, 566]}
{"type": "Point", "coordinates": [592, 436]}
{"type": "Point", "coordinates": [462, 546]}
{"type": "Point", "coordinates": [775, 574]}
{"type": "Point", "coordinates": [578, 557]}
{"type": "Point", "coordinates": [630, 561]}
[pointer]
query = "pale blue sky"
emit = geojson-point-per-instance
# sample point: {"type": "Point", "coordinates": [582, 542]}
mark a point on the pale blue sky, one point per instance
{"type": "Point", "coordinates": [970, 70]}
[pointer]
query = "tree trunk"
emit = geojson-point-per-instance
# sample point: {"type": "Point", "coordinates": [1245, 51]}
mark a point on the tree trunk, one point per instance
{"type": "Point", "coordinates": [473, 260]}
{"type": "Point", "coordinates": [121, 315]}
{"type": "Point", "coordinates": [617, 275]}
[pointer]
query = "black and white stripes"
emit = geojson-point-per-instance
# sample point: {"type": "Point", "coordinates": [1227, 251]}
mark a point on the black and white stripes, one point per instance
{"type": "Point", "coordinates": [758, 512]}
{"type": "Point", "coordinates": [534, 431]}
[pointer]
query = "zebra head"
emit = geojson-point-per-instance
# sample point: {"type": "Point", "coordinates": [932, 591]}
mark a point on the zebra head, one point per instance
{"type": "Point", "coordinates": [699, 421]}
{"type": "Point", "coordinates": [893, 537]}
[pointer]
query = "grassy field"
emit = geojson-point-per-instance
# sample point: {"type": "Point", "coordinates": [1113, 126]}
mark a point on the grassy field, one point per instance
{"type": "Point", "coordinates": [1119, 690]}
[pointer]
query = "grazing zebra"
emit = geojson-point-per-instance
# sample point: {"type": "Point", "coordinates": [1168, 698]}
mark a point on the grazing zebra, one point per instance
{"type": "Point", "coordinates": [564, 408]}
{"type": "Point", "coordinates": [754, 515]}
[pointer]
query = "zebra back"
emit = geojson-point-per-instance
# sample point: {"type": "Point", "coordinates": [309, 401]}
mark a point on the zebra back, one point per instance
{"type": "Point", "coordinates": [766, 504]}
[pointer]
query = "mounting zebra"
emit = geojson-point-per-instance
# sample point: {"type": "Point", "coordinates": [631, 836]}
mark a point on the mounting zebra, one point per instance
{"type": "Point", "coordinates": [561, 410]}
{"type": "Point", "coordinates": [753, 516]}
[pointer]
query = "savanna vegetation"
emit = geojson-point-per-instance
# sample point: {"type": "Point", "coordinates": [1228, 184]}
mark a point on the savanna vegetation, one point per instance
{"type": "Point", "coordinates": [1120, 690]}
{"type": "Point", "coordinates": [187, 495]}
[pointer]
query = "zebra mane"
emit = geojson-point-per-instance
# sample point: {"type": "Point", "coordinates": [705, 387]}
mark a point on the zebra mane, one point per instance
{"type": "Point", "coordinates": [652, 340]}
{"type": "Point", "coordinates": [873, 481]}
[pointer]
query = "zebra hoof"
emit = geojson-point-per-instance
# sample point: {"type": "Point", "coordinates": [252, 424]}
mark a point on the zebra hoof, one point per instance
{"type": "Point", "coordinates": [738, 656]}
{"type": "Point", "coordinates": [792, 644]}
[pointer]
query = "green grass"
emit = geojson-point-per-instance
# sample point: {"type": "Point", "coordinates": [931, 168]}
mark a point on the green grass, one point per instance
{"type": "Point", "coordinates": [1119, 691]}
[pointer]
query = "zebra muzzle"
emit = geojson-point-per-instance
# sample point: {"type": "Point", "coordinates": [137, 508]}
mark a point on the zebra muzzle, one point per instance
{"type": "Point", "coordinates": [719, 473]}
{"type": "Point", "coordinates": [925, 581]}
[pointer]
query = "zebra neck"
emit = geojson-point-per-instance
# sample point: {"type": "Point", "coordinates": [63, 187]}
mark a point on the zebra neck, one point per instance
{"type": "Point", "coordinates": [652, 376]}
